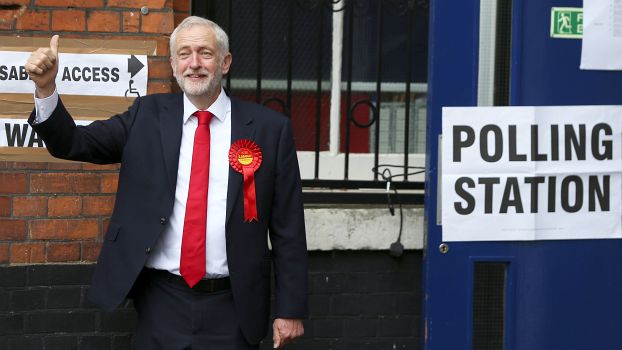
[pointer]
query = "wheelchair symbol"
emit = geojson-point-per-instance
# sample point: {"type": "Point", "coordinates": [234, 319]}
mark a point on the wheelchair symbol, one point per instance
{"type": "Point", "coordinates": [131, 90]}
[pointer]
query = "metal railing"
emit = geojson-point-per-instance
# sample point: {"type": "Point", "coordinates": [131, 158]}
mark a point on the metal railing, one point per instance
{"type": "Point", "coordinates": [284, 57]}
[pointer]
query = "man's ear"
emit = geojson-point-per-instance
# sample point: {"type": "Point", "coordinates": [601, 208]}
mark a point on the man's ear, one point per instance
{"type": "Point", "coordinates": [226, 63]}
{"type": "Point", "coordinates": [172, 61]}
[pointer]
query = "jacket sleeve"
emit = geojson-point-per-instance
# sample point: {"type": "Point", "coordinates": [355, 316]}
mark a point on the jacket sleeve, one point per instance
{"type": "Point", "coordinates": [100, 142]}
{"type": "Point", "coordinates": [287, 232]}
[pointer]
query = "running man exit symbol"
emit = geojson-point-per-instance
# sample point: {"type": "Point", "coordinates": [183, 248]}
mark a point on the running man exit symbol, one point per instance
{"type": "Point", "coordinates": [567, 22]}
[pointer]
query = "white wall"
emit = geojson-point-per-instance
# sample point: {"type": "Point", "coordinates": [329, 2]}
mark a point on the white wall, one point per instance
{"type": "Point", "coordinates": [362, 228]}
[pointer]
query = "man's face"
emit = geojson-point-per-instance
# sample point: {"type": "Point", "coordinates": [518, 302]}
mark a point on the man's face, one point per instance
{"type": "Point", "coordinates": [198, 64]}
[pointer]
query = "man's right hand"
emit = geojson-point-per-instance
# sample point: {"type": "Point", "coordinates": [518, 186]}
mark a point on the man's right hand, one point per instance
{"type": "Point", "coordinates": [42, 67]}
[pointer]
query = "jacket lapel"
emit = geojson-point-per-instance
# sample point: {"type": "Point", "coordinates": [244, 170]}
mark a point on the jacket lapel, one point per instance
{"type": "Point", "coordinates": [171, 120]}
{"type": "Point", "coordinates": [241, 128]}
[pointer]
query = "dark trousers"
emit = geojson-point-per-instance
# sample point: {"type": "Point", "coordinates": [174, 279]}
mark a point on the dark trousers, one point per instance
{"type": "Point", "coordinates": [171, 316]}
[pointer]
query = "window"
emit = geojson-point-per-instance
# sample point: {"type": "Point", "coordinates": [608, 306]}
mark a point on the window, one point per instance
{"type": "Point", "coordinates": [351, 74]}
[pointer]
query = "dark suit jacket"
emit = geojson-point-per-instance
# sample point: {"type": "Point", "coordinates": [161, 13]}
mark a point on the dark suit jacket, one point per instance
{"type": "Point", "coordinates": [146, 140]}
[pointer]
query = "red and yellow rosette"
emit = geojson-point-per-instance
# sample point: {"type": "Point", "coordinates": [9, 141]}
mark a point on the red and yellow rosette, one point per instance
{"type": "Point", "coordinates": [245, 157]}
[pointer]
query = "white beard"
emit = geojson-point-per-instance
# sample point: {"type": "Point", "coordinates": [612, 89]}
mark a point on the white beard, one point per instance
{"type": "Point", "coordinates": [198, 88]}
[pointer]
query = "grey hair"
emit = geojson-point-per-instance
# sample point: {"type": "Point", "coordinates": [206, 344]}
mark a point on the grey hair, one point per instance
{"type": "Point", "coordinates": [221, 37]}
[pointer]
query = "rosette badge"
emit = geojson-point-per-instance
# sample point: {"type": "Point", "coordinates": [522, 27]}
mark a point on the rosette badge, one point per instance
{"type": "Point", "coordinates": [245, 157]}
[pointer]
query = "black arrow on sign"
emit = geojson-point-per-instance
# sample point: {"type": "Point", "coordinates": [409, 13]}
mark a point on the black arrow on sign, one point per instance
{"type": "Point", "coordinates": [134, 65]}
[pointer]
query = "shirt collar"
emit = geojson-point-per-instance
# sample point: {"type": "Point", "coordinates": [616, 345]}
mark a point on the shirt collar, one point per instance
{"type": "Point", "coordinates": [220, 108]}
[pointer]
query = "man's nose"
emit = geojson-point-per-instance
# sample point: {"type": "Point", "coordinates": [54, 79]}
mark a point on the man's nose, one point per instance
{"type": "Point", "coordinates": [195, 61]}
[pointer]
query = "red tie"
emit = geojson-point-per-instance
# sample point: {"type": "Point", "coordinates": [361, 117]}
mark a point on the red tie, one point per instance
{"type": "Point", "coordinates": [192, 264]}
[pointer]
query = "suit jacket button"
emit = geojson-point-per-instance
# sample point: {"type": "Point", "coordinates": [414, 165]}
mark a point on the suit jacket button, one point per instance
{"type": "Point", "coordinates": [162, 220]}
{"type": "Point", "coordinates": [148, 250]}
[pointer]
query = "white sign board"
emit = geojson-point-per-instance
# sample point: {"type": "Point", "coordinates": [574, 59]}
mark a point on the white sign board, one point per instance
{"type": "Point", "coordinates": [602, 35]}
{"type": "Point", "coordinates": [531, 173]}
{"type": "Point", "coordinates": [17, 133]}
{"type": "Point", "coordinates": [80, 74]}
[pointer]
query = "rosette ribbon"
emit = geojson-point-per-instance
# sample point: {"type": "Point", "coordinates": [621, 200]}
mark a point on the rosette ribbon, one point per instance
{"type": "Point", "coordinates": [245, 157]}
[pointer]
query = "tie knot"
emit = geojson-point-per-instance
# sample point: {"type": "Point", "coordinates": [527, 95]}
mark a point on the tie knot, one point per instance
{"type": "Point", "coordinates": [203, 116]}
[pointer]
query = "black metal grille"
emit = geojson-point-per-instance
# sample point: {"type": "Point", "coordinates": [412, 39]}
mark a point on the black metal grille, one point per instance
{"type": "Point", "coordinates": [282, 59]}
{"type": "Point", "coordinates": [503, 53]}
{"type": "Point", "coordinates": [489, 305]}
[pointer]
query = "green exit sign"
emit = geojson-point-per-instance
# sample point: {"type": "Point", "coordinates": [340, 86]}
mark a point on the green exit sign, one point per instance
{"type": "Point", "coordinates": [567, 22]}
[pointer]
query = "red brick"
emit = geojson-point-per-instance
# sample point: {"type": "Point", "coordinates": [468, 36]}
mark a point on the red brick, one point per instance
{"type": "Point", "coordinates": [64, 206]}
{"type": "Point", "coordinates": [14, 2]}
{"type": "Point", "coordinates": [77, 229]}
{"type": "Point", "coordinates": [105, 225]}
{"type": "Point", "coordinates": [7, 18]}
{"type": "Point", "coordinates": [181, 5]}
{"type": "Point", "coordinates": [158, 87]}
{"type": "Point", "coordinates": [90, 251]}
{"type": "Point", "coordinates": [157, 22]}
{"type": "Point", "coordinates": [141, 40]}
{"type": "Point", "coordinates": [13, 183]}
{"type": "Point", "coordinates": [97, 205]}
{"type": "Point", "coordinates": [29, 206]}
{"type": "Point", "coordinates": [4, 253]}
{"type": "Point", "coordinates": [131, 22]}
{"type": "Point", "coordinates": [12, 230]}
{"type": "Point", "coordinates": [70, 3]}
{"type": "Point", "coordinates": [175, 88]}
{"type": "Point", "coordinates": [160, 69]}
{"type": "Point", "coordinates": [63, 252]}
{"type": "Point", "coordinates": [33, 20]}
{"type": "Point", "coordinates": [27, 253]}
{"type": "Point", "coordinates": [64, 183]}
{"type": "Point", "coordinates": [68, 20]}
{"type": "Point", "coordinates": [162, 46]}
{"type": "Point", "coordinates": [109, 183]}
{"type": "Point", "coordinates": [5, 206]}
{"type": "Point", "coordinates": [65, 166]}
{"type": "Point", "coordinates": [103, 21]}
{"type": "Point", "coordinates": [30, 165]}
{"type": "Point", "coordinates": [100, 167]}
{"type": "Point", "coordinates": [151, 4]}
{"type": "Point", "coordinates": [179, 17]}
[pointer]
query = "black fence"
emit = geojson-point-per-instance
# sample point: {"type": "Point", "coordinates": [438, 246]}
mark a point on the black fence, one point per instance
{"type": "Point", "coordinates": [283, 56]}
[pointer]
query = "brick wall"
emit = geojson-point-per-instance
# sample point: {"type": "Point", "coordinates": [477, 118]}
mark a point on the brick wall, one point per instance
{"type": "Point", "coordinates": [358, 300]}
{"type": "Point", "coordinates": [58, 212]}
{"type": "Point", "coordinates": [44, 307]}
{"type": "Point", "coordinates": [54, 212]}
{"type": "Point", "coordinates": [53, 217]}
{"type": "Point", "coordinates": [101, 19]}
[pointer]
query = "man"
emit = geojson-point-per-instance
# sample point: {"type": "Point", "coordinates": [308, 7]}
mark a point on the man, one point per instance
{"type": "Point", "coordinates": [204, 178]}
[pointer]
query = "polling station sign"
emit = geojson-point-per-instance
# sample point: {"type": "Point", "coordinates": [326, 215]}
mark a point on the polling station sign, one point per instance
{"type": "Point", "coordinates": [531, 173]}
{"type": "Point", "coordinates": [18, 134]}
{"type": "Point", "coordinates": [80, 74]}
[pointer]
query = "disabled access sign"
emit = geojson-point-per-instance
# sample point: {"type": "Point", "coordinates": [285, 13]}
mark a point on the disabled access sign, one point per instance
{"type": "Point", "coordinates": [80, 74]}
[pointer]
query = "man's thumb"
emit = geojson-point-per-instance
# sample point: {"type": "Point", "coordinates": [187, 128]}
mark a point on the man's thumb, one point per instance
{"type": "Point", "coordinates": [54, 45]}
{"type": "Point", "coordinates": [276, 337]}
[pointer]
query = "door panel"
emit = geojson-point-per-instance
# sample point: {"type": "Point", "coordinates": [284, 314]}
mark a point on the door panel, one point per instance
{"type": "Point", "coordinates": [545, 71]}
{"type": "Point", "coordinates": [557, 294]}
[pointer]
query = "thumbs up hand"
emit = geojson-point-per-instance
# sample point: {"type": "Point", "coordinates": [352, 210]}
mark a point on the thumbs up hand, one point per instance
{"type": "Point", "coordinates": [42, 67]}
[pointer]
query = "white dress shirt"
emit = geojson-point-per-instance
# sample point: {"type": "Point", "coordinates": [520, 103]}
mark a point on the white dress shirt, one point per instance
{"type": "Point", "coordinates": [167, 252]}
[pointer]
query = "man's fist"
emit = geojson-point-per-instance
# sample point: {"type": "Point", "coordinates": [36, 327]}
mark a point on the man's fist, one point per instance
{"type": "Point", "coordinates": [42, 67]}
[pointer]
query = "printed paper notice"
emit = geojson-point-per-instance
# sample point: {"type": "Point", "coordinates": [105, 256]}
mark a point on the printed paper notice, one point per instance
{"type": "Point", "coordinates": [17, 133]}
{"type": "Point", "coordinates": [602, 35]}
{"type": "Point", "coordinates": [80, 74]}
{"type": "Point", "coordinates": [531, 173]}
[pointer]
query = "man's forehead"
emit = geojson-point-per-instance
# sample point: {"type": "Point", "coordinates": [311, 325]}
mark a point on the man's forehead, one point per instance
{"type": "Point", "coordinates": [196, 36]}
